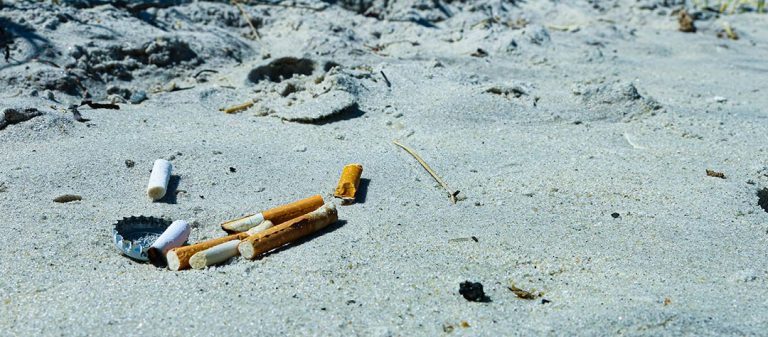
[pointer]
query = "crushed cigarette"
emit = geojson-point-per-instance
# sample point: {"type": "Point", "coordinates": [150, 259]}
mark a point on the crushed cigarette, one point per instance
{"type": "Point", "coordinates": [237, 108]}
{"type": "Point", "coordinates": [277, 215]}
{"type": "Point", "coordinates": [715, 174]}
{"type": "Point", "coordinates": [348, 183]}
{"type": "Point", "coordinates": [158, 179]}
{"type": "Point", "coordinates": [451, 194]}
{"type": "Point", "coordinates": [181, 258]}
{"type": "Point", "coordinates": [287, 232]}
{"type": "Point", "coordinates": [174, 236]}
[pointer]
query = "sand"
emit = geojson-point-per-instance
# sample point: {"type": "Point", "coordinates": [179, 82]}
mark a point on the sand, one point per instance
{"type": "Point", "coordinates": [578, 134]}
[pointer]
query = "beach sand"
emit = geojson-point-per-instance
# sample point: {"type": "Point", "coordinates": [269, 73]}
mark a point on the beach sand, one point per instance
{"type": "Point", "coordinates": [578, 134]}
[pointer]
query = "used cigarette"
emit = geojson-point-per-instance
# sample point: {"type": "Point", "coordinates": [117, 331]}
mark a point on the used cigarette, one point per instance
{"type": "Point", "coordinates": [174, 236]}
{"type": "Point", "coordinates": [158, 179]}
{"type": "Point", "coordinates": [287, 232]}
{"type": "Point", "coordinates": [180, 258]}
{"type": "Point", "coordinates": [276, 215]}
{"type": "Point", "coordinates": [347, 187]}
{"type": "Point", "coordinates": [215, 255]}
{"type": "Point", "coordinates": [237, 108]}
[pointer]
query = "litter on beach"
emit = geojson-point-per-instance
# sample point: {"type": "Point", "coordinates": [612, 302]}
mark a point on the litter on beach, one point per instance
{"type": "Point", "coordinates": [287, 232]}
{"type": "Point", "coordinates": [179, 258]}
{"type": "Point", "coordinates": [348, 183]}
{"type": "Point", "coordinates": [250, 236]}
{"type": "Point", "coordinates": [277, 215]}
{"type": "Point", "coordinates": [158, 179]}
{"type": "Point", "coordinates": [174, 236]}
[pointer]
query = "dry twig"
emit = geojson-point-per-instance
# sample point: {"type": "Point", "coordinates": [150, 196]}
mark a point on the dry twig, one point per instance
{"type": "Point", "coordinates": [247, 18]}
{"type": "Point", "coordinates": [421, 161]}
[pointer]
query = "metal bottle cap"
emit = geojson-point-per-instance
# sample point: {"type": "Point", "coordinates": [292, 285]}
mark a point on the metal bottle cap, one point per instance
{"type": "Point", "coordinates": [133, 235]}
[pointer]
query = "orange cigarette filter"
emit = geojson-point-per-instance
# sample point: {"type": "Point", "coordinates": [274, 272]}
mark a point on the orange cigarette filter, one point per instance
{"type": "Point", "coordinates": [277, 215]}
{"type": "Point", "coordinates": [287, 232]}
{"type": "Point", "coordinates": [350, 179]}
{"type": "Point", "coordinates": [178, 258]}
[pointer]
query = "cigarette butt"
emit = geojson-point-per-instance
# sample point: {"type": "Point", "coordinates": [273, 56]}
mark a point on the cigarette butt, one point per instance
{"type": "Point", "coordinates": [158, 179]}
{"type": "Point", "coordinates": [174, 236]}
{"type": "Point", "coordinates": [243, 224]}
{"type": "Point", "coordinates": [237, 108]}
{"type": "Point", "coordinates": [277, 215]}
{"type": "Point", "coordinates": [215, 255]}
{"type": "Point", "coordinates": [180, 258]}
{"type": "Point", "coordinates": [347, 187]}
{"type": "Point", "coordinates": [288, 231]}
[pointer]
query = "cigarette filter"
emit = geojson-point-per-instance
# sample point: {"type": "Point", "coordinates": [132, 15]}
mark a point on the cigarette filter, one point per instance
{"type": "Point", "coordinates": [347, 187]}
{"type": "Point", "coordinates": [277, 215]}
{"type": "Point", "coordinates": [215, 255]}
{"type": "Point", "coordinates": [158, 179]}
{"type": "Point", "coordinates": [179, 258]}
{"type": "Point", "coordinates": [175, 236]}
{"type": "Point", "coordinates": [287, 232]}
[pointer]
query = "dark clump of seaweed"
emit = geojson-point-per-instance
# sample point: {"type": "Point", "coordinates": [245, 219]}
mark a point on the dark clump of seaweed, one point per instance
{"type": "Point", "coordinates": [762, 198]}
{"type": "Point", "coordinates": [473, 291]}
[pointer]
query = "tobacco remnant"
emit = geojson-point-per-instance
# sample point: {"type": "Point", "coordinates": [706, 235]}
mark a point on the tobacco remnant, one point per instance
{"type": "Point", "coordinates": [715, 174]}
{"type": "Point", "coordinates": [524, 294]}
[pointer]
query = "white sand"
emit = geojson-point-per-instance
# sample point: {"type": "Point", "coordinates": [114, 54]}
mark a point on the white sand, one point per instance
{"type": "Point", "coordinates": [561, 141]}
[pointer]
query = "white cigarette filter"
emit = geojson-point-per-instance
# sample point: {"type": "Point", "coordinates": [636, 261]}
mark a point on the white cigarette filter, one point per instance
{"type": "Point", "coordinates": [175, 236]}
{"type": "Point", "coordinates": [158, 179]}
{"type": "Point", "coordinates": [245, 223]}
{"type": "Point", "coordinates": [215, 255]}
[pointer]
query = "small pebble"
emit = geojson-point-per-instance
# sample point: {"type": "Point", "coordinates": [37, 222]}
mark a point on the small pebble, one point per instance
{"type": "Point", "coordinates": [67, 198]}
{"type": "Point", "coordinates": [129, 163]}
{"type": "Point", "coordinates": [138, 97]}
